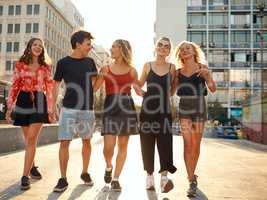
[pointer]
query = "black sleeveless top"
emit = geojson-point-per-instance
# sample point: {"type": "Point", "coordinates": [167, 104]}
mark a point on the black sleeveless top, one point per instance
{"type": "Point", "coordinates": [156, 102]}
{"type": "Point", "coordinates": [191, 86]}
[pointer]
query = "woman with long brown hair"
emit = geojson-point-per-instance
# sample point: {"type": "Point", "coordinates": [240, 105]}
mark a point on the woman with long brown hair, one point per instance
{"type": "Point", "coordinates": [192, 79]}
{"type": "Point", "coordinates": [30, 102]}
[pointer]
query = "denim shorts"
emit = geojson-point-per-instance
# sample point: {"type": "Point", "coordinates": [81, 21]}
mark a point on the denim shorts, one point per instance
{"type": "Point", "coordinates": [72, 122]}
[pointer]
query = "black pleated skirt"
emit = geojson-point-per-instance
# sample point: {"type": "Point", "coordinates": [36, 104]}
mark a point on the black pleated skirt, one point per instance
{"type": "Point", "coordinates": [119, 116]}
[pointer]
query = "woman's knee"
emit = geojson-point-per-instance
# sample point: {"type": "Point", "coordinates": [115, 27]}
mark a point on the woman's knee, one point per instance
{"type": "Point", "coordinates": [31, 140]}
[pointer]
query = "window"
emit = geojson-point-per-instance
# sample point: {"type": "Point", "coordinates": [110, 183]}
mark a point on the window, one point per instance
{"type": "Point", "coordinates": [218, 56]}
{"type": "Point", "coordinates": [29, 9]}
{"type": "Point", "coordinates": [218, 2]}
{"type": "Point", "coordinates": [36, 9]}
{"type": "Point", "coordinates": [28, 28]}
{"type": "Point", "coordinates": [16, 47]}
{"type": "Point", "coordinates": [8, 46]}
{"type": "Point", "coordinates": [35, 27]}
{"type": "Point", "coordinates": [240, 37]}
{"type": "Point", "coordinates": [18, 10]}
{"type": "Point", "coordinates": [17, 28]}
{"type": "Point", "coordinates": [198, 37]}
{"type": "Point", "coordinates": [240, 2]}
{"type": "Point", "coordinates": [240, 19]}
{"type": "Point", "coordinates": [0, 28]}
{"type": "Point", "coordinates": [10, 10]}
{"type": "Point", "coordinates": [8, 65]}
{"type": "Point", "coordinates": [218, 19]}
{"type": "Point", "coordinates": [10, 28]}
{"type": "Point", "coordinates": [0, 46]}
{"type": "Point", "coordinates": [239, 57]}
{"type": "Point", "coordinates": [1, 10]}
{"type": "Point", "coordinates": [197, 19]}
{"type": "Point", "coordinates": [257, 36]}
{"type": "Point", "coordinates": [218, 37]}
{"type": "Point", "coordinates": [196, 2]}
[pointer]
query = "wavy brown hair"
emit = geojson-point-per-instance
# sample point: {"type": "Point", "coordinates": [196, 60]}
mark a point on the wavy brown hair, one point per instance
{"type": "Point", "coordinates": [199, 54]}
{"type": "Point", "coordinates": [43, 58]}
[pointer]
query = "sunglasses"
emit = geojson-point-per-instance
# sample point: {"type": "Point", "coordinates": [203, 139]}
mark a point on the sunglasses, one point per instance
{"type": "Point", "coordinates": [165, 46]}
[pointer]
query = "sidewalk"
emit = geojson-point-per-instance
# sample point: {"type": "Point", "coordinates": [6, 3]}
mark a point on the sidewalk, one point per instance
{"type": "Point", "coordinates": [227, 170]}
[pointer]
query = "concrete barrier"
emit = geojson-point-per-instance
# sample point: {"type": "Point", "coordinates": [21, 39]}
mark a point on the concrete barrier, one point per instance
{"type": "Point", "coordinates": [11, 137]}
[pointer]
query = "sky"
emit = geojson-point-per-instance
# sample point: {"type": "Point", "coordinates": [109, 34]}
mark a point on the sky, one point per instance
{"type": "Point", "coordinates": [126, 19]}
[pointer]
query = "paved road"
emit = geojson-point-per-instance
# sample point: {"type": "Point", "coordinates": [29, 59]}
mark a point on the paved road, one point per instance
{"type": "Point", "coordinates": [227, 170]}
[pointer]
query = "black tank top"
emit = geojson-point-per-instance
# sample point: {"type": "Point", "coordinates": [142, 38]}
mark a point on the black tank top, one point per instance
{"type": "Point", "coordinates": [157, 96]}
{"type": "Point", "coordinates": [191, 86]}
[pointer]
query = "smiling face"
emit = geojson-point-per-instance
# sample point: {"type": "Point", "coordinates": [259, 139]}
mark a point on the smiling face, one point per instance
{"type": "Point", "coordinates": [115, 50]}
{"type": "Point", "coordinates": [163, 48]}
{"type": "Point", "coordinates": [37, 48]}
{"type": "Point", "coordinates": [186, 51]}
{"type": "Point", "coordinates": [84, 47]}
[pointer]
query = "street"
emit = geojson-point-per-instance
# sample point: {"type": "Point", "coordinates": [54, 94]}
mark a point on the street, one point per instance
{"type": "Point", "coordinates": [227, 170]}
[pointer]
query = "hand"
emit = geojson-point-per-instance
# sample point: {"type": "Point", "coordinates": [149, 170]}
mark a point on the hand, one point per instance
{"type": "Point", "coordinates": [8, 116]}
{"type": "Point", "coordinates": [204, 73]}
{"type": "Point", "coordinates": [53, 116]}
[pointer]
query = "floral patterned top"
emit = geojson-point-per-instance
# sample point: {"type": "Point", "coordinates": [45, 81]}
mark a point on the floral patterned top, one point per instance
{"type": "Point", "coordinates": [27, 80]}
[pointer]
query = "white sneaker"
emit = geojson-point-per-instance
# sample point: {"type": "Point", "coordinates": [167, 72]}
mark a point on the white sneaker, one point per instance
{"type": "Point", "coordinates": [150, 184]}
{"type": "Point", "coordinates": [166, 184]}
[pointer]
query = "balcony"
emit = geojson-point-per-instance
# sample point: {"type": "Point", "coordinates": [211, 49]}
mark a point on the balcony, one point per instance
{"type": "Point", "coordinates": [218, 65]}
{"type": "Point", "coordinates": [240, 64]}
{"type": "Point", "coordinates": [257, 85]}
{"type": "Point", "coordinates": [218, 8]}
{"type": "Point", "coordinates": [258, 26]}
{"type": "Point", "coordinates": [196, 8]}
{"type": "Point", "coordinates": [196, 26]}
{"type": "Point", "coordinates": [218, 45]}
{"type": "Point", "coordinates": [258, 65]}
{"type": "Point", "coordinates": [222, 84]}
{"type": "Point", "coordinates": [240, 45]}
{"type": "Point", "coordinates": [239, 84]}
{"type": "Point", "coordinates": [240, 26]}
{"type": "Point", "coordinates": [218, 26]}
{"type": "Point", "coordinates": [240, 7]}
{"type": "Point", "coordinates": [258, 45]}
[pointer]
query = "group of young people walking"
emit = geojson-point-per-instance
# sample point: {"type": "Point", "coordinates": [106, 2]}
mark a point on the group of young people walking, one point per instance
{"type": "Point", "coordinates": [33, 96]}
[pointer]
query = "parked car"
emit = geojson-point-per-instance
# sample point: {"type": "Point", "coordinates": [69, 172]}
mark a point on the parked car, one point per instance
{"type": "Point", "coordinates": [227, 132]}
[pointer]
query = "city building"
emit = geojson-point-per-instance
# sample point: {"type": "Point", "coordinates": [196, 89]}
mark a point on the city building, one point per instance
{"type": "Point", "coordinates": [233, 38]}
{"type": "Point", "coordinates": [21, 20]}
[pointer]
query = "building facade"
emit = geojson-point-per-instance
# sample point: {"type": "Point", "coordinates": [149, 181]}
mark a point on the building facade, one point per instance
{"type": "Point", "coordinates": [234, 39]}
{"type": "Point", "coordinates": [22, 20]}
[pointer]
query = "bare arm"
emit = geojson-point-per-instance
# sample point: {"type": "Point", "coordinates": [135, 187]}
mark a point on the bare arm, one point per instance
{"type": "Point", "coordinates": [99, 79]}
{"type": "Point", "coordinates": [55, 91]}
{"type": "Point", "coordinates": [207, 75]}
{"type": "Point", "coordinates": [175, 83]}
{"type": "Point", "coordinates": [144, 74]}
{"type": "Point", "coordinates": [211, 83]}
{"type": "Point", "coordinates": [173, 80]}
{"type": "Point", "coordinates": [136, 84]}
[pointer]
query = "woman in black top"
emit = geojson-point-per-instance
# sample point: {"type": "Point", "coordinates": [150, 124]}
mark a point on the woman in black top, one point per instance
{"type": "Point", "coordinates": [192, 80]}
{"type": "Point", "coordinates": [155, 116]}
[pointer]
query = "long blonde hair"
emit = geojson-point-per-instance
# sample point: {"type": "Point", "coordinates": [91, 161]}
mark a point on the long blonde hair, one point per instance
{"type": "Point", "coordinates": [199, 54]}
{"type": "Point", "coordinates": [126, 51]}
